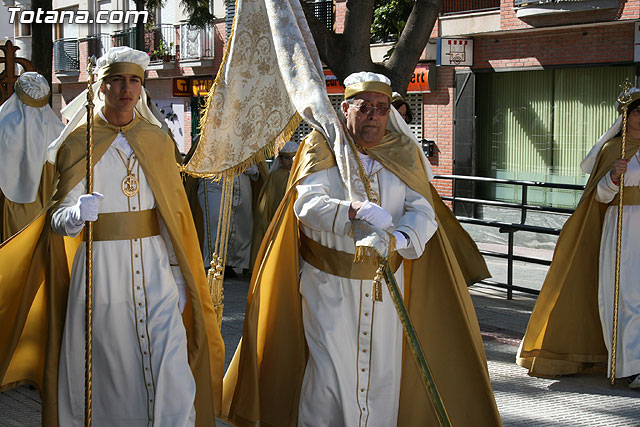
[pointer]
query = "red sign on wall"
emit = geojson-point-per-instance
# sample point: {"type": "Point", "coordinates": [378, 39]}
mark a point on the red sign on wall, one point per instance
{"type": "Point", "coordinates": [422, 80]}
{"type": "Point", "coordinates": [333, 84]}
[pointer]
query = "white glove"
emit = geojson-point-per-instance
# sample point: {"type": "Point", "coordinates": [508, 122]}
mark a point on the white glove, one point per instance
{"type": "Point", "coordinates": [375, 215]}
{"type": "Point", "coordinates": [85, 209]}
{"type": "Point", "coordinates": [401, 241]}
{"type": "Point", "coordinates": [182, 287]}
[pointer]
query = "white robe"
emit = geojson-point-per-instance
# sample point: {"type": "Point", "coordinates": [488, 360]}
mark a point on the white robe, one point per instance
{"type": "Point", "coordinates": [352, 377]}
{"type": "Point", "coordinates": [628, 348]}
{"type": "Point", "coordinates": [141, 375]}
{"type": "Point", "coordinates": [240, 225]}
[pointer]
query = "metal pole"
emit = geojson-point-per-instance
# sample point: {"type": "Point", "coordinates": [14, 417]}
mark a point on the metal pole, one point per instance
{"type": "Point", "coordinates": [416, 349]}
{"type": "Point", "coordinates": [510, 267]}
{"type": "Point", "coordinates": [616, 290]}
{"type": "Point", "coordinates": [89, 256]}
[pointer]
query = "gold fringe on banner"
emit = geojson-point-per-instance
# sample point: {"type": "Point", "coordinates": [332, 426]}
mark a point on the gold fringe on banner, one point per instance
{"type": "Point", "coordinates": [265, 152]}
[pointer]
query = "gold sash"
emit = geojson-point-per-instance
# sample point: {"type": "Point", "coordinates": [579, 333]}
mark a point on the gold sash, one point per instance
{"type": "Point", "coordinates": [126, 225]}
{"type": "Point", "coordinates": [631, 196]}
{"type": "Point", "coordinates": [339, 263]}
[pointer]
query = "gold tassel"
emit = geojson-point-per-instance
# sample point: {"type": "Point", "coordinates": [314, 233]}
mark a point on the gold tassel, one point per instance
{"type": "Point", "coordinates": [377, 284]}
{"type": "Point", "coordinates": [215, 279]}
{"type": "Point", "coordinates": [366, 255]}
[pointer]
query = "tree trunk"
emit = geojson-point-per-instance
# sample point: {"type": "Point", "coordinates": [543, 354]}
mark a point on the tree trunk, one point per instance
{"type": "Point", "coordinates": [350, 52]}
{"type": "Point", "coordinates": [42, 42]}
{"type": "Point", "coordinates": [140, 45]}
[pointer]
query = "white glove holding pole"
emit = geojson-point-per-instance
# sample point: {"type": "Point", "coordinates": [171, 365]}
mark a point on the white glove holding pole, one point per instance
{"type": "Point", "coordinates": [374, 215]}
{"type": "Point", "coordinates": [85, 209]}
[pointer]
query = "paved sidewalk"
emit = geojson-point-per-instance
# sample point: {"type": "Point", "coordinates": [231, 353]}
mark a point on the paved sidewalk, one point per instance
{"type": "Point", "coordinates": [583, 400]}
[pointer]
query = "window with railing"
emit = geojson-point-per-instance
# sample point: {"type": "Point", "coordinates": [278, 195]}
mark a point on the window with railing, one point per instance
{"type": "Point", "coordinates": [196, 42]}
{"type": "Point", "coordinates": [466, 6]}
{"type": "Point", "coordinates": [65, 55]}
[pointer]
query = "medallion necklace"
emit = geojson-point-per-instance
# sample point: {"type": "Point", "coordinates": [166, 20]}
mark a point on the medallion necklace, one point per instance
{"type": "Point", "coordinates": [130, 184]}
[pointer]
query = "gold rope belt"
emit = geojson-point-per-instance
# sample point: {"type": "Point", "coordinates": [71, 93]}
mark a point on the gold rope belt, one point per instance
{"type": "Point", "coordinates": [126, 225]}
{"type": "Point", "coordinates": [339, 263]}
{"type": "Point", "coordinates": [631, 196]}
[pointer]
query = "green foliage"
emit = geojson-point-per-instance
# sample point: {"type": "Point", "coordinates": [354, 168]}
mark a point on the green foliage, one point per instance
{"type": "Point", "coordinates": [198, 11]}
{"type": "Point", "coordinates": [389, 19]}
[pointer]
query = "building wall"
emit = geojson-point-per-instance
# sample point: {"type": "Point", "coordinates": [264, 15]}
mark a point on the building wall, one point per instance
{"type": "Point", "coordinates": [569, 39]}
{"type": "Point", "coordinates": [438, 119]}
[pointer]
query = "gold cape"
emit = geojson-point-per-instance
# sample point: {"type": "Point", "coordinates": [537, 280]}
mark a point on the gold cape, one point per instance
{"type": "Point", "coordinates": [262, 384]}
{"type": "Point", "coordinates": [564, 335]}
{"type": "Point", "coordinates": [36, 266]}
{"type": "Point", "coordinates": [15, 216]}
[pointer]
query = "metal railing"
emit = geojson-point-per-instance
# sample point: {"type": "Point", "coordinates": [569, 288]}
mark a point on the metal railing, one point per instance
{"type": "Point", "coordinates": [466, 6]}
{"type": "Point", "coordinates": [161, 41]}
{"type": "Point", "coordinates": [196, 42]}
{"type": "Point", "coordinates": [125, 38]}
{"type": "Point", "coordinates": [98, 44]}
{"type": "Point", "coordinates": [65, 55]}
{"type": "Point", "coordinates": [509, 227]}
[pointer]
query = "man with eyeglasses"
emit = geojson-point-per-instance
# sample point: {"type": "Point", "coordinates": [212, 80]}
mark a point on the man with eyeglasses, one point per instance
{"type": "Point", "coordinates": [354, 369]}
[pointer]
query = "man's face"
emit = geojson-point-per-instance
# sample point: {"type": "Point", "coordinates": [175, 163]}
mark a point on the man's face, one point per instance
{"type": "Point", "coordinates": [286, 160]}
{"type": "Point", "coordinates": [121, 92]}
{"type": "Point", "coordinates": [367, 128]}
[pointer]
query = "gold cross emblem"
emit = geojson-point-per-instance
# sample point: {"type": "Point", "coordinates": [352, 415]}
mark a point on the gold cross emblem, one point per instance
{"type": "Point", "coordinates": [130, 185]}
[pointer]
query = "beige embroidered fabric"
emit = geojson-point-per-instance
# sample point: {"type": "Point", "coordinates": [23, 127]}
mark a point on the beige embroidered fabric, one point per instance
{"type": "Point", "coordinates": [248, 110]}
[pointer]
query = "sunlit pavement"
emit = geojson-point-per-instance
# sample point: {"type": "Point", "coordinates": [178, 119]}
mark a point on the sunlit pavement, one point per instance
{"type": "Point", "coordinates": [582, 400]}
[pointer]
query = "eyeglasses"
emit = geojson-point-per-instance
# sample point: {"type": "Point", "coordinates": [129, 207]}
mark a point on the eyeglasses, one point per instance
{"type": "Point", "coordinates": [367, 107]}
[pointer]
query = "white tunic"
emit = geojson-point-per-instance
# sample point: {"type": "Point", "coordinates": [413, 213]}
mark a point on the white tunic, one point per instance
{"type": "Point", "coordinates": [628, 348]}
{"type": "Point", "coordinates": [241, 223]}
{"type": "Point", "coordinates": [141, 376]}
{"type": "Point", "coordinates": [352, 377]}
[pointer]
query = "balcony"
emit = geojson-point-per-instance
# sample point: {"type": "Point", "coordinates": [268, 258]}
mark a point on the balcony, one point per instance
{"type": "Point", "coordinates": [65, 57]}
{"type": "Point", "coordinates": [98, 44]}
{"type": "Point", "coordinates": [125, 38]}
{"type": "Point", "coordinates": [160, 42]}
{"type": "Point", "coordinates": [196, 45]}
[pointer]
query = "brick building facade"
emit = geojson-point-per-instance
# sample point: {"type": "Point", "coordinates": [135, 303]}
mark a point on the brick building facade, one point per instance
{"type": "Point", "coordinates": [593, 40]}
